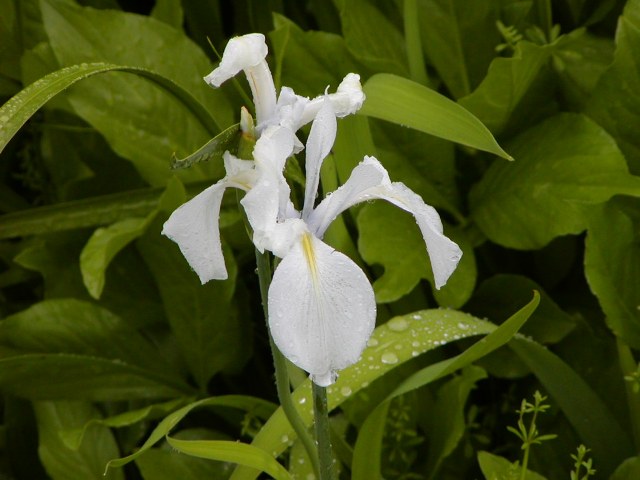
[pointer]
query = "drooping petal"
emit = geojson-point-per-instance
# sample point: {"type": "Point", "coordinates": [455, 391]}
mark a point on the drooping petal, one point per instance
{"type": "Point", "coordinates": [347, 100]}
{"type": "Point", "coordinates": [321, 309]}
{"type": "Point", "coordinates": [194, 227]}
{"type": "Point", "coordinates": [248, 53]}
{"type": "Point", "coordinates": [361, 186]}
{"type": "Point", "coordinates": [321, 138]}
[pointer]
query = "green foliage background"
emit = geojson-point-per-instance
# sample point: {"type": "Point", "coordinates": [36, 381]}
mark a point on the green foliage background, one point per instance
{"type": "Point", "coordinates": [109, 346]}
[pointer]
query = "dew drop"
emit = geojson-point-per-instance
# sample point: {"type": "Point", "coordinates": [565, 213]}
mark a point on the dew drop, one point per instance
{"type": "Point", "coordinates": [389, 358]}
{"type": "Point", "coordinates": [415, 354]}
{"type": "Point", "coordinates": [4, 119]}
{"type": "Point", "coordinates": [415, 344]}
{"type": "Point", "coordinates": [345, 391]}
{"type": "Point", "coordinates": [463, 326]}
{"type": "Point", "coordinates": [302, 401]}
{"type": "Point", "coordinates": [372, 342]}
{"type": "Point", "coordinates": [398, 324]}
{"type": "Point", "coordinates": [284, 438]}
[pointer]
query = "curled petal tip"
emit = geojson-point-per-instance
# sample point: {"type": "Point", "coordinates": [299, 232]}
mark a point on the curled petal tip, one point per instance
{"type": "Point", "coordinates": [241, 53]}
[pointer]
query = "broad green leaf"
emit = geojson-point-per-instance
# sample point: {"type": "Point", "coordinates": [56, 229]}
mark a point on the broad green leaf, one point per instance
{"type": "Point", "coordinates": [392, 344]}
{"type": "Point", "coordinates": [611, 262]}
{"type": "Point", "coordinates": [630, 468]}
{"type": "Point", "coordinates": [586, 412]}
{"type": "Point", "coordinates": [565, 166]}
{"type": "Point", "coordinates": [80, 377]}
{"type": "Point", "coordinates": [580, 61]}
{"type": "Point", "coordinates": [448, 422]}
{"type": "Point", "coordinates": [63, 463]}
{"type": "Point", "coordinates": [255, 406]}
{"type": "Point", "coordinates": [398, 100]}
{"type": "Point", "coordinates": [103, 245]}
{"type": "Point", "coordinates": [158, 464]}
{"type": "Point", "coordinates": [459, 38]}
{"type": "Point", "coordinates": [495, 467]}
{"type": "Point", "coordinates": [140, 122]}
{"type": "Point", "coordinates": [74, 436]}
{"type": "Point", "coordinates": [308, 61]}
{"type": "Point", "coordinates": [365, 470]}
{"type": "Point", "coordinates": [615, 102]}
{"type": "Point", "coordinates": [501, 294]}
{"type": "Point", "coordinates": [510, 84]}
{"type": "Point", "coordinates": [372, 38]}
{"type": "Point", "coordinates": [413, 43]}
{"type": "Point", "coordinates": [203, 318]}
{"type": "Point", "coordinates": [227, 451]}
{"type": "Point", "coordinates": [21, 107]}
{"type": "Point", "coordinates": [75, 327]}
{"type": "Point", "coordinates": [391, 238]}
{"type": "Point", "coordinates": [169, 12]}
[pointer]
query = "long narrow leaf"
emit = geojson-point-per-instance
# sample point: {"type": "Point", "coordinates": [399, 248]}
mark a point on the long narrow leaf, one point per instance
{"type": "Point", "coordinates": [402, 101]}
{"type": "Point", "coordinates": [22, 106]}
{"type": "Point", "coordinates": [235, 452]}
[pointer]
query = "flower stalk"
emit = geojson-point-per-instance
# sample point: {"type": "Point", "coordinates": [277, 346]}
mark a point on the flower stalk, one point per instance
{"type": "Point", "coordinates": [280, 366]}
{"type": "Point", "coordinates": [323, 432]}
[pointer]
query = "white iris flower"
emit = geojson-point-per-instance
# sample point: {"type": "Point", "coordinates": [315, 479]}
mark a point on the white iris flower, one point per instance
{"type": "Point", "coordinates": [321, 305]}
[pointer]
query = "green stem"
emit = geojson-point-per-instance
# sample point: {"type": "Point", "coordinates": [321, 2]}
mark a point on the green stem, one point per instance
{"type": "Point", "coordinates": [323, 432]}
{"type": "Point", "coordinates": [280, 366]}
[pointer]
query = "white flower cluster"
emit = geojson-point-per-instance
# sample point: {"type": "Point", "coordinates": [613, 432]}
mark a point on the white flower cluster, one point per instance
{"type": "Point", "coordinates": [321, 305]}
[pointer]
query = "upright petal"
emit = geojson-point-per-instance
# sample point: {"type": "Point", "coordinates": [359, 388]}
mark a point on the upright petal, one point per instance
{"type": "Point", "coordinates": [321, 138]}
{"type": "Point", "coordinates": [194, 227]}
{"type": "Point", "coordinates": [321, 309]}
{"type": "Point", "coordinates": [248, 53]}
{"type": "Point", "coordinates": [368, 181]}
{"type": "Point", "coordinates": [347, 100]}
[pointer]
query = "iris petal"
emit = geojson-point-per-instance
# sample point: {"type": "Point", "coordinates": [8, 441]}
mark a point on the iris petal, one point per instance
{"type": "Point", "coordinates": [194, 227]}
{"type": "Point", "coordinates": [321, 309]}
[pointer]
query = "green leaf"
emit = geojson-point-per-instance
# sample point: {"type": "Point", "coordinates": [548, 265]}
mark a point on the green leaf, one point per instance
{"type": "Point", "coordinates": [399, 340]}
{"type": "Point", "coordinates": [169, 12]}
{"type": "Point", "coordinates": [227, 451]}
{"type": "Point", "coordinates": [21, 107]}
{"type": "Point", "coordinates": [211, 335]}
{"type": "Point", "coordinates": [158, 464]}
{"type": "Point", "coordinates": [140, 122]}
{"type": "Point", "coordinates": [212, 150]}
{"type": "Point", "coordinates": [615, 102]}
{"type": "Point", "coordinates": [363, 469]}
{"type": "Point", "coordinates": [589, 416]}
{"type": "Point", "coordinates": [495, 467]}
{"type": "Point", "coordinates": [75, 327]}
{"type": "Point", "coordinates": [255, 406]}
{"type": "Point", "coordinates": [392, 239]}
{"type": "Point", "coordinates": [104, 244]}
{"type": "Point", "coordinates": [630, 468]}
{"type": "Point", "coordinates": [74, 436]}
{"type": "Point", "coordinates": [611, 267]}
{"type": "Point", "coordinates": [564, 167]}
{"type": "Point", "coordinates": [80, 377]}
{"type": "Point", "coordinates": [62, 463]}
{"type": "Point", "coordinates": [448, 423]}
{"type": "Point", "coordinates": [398, 100]}
{"type": "Point", "coordinates": [308, 61]}
{"type": "Point", "coordinates": [459, 38]}
{"type": "Point", "coordinates": [372, 38]}
{"type": "Point", "coordinates": [507, 85]}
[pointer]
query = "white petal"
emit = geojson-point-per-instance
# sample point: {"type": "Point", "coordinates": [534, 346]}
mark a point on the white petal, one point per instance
{"type": "Point", "coordinates": [321, 138]}
{"type": "Point", "coordinates": [347, 100]}
{"type": "Point", "coordinates": [248, 53]}
{"type": "Point", "coordinates": [369, 180]}
{"type": "Point", "coordinates": [194, 227]}
{"type": "Point", "coordinates": [241, 53]}
{"type": "Point", "coordinates": [367, 174]}
{"type": "Point", "coordinates": [321, 309]}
